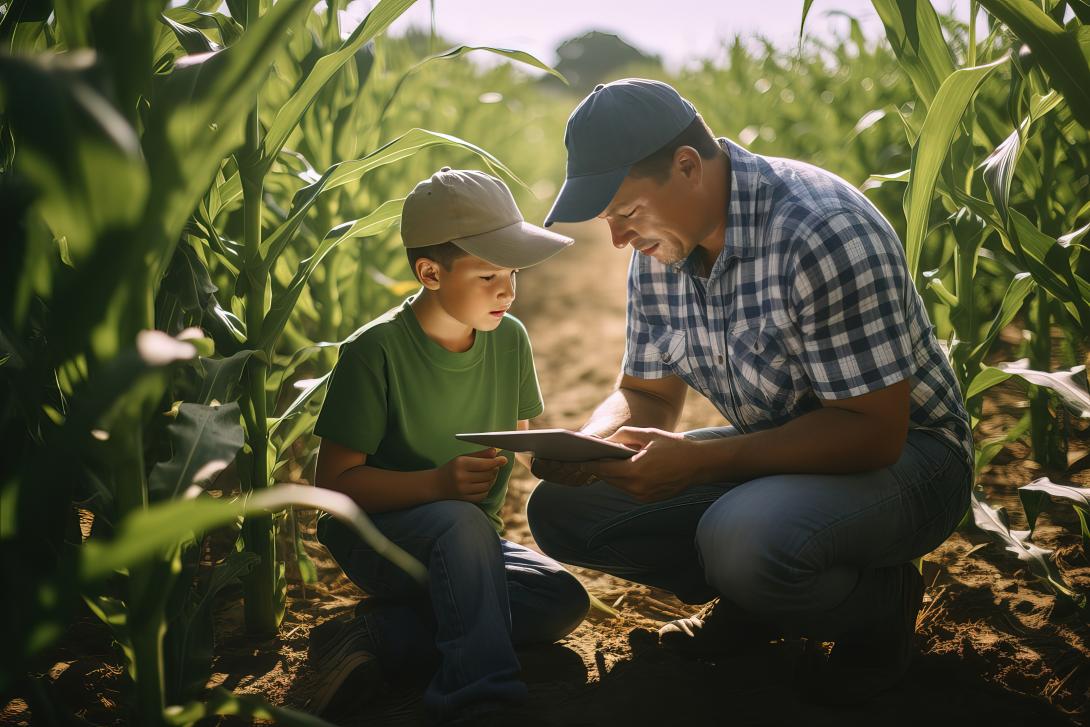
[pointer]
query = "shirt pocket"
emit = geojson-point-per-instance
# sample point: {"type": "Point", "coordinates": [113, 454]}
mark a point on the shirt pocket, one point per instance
{"type": "Point", "coordinates": [673, 350]}
{"type": "Point", "coordinates": [765, 374]}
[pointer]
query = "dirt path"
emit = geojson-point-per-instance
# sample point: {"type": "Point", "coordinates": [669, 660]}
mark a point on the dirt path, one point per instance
{"type": "Point", "coordinates": [996, 648]}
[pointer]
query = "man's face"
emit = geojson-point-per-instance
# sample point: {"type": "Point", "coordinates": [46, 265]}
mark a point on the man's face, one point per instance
{"type": "Point", "coordinates": [475, 292]}
{"type": "Point", "coordinates": [658, 219]}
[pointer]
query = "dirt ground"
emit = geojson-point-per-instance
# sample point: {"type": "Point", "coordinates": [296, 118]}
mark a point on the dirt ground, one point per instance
{"type": "Point", "coordinates": [995, 646]}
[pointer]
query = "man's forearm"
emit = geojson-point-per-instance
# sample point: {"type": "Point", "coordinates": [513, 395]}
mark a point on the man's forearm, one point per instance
{"type": "Point", "coordinates": [630, 408]}
{"type": "Point", "coordinates": [825, 441]}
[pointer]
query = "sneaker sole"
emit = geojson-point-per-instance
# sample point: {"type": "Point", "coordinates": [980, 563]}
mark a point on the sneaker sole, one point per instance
{"type": "Point", "coordinates": [355, 678]}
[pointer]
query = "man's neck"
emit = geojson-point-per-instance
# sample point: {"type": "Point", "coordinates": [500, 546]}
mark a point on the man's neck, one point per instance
{"type": "Point", "coordinates": [440, 326]}
{"type": "Point", "coordinates": [718, 204]}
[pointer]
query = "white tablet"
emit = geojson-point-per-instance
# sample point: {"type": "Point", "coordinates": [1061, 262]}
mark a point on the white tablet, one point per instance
{"type": "Point", "coordinates": [560, 444]}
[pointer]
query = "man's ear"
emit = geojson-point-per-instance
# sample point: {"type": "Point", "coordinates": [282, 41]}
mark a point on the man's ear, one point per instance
{"type": "Point", "coordinates": [427, 271]}
{"type": "Point", "coordinates": [688, 164]}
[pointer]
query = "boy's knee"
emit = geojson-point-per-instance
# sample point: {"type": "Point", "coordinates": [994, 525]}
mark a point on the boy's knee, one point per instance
{"type": "Point", "coordinates": [568, 604]}
{"type": "Point", "coordinates": [457, 521]}
{"type": "Point", "coordinates": [574, 601]}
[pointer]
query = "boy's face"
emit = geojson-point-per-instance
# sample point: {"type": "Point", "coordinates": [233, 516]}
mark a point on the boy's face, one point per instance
{"type": "Point", "coordinates": [474, 292]}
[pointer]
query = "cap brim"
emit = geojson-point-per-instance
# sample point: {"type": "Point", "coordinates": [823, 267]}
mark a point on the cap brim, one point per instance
{"type": "Point", "coordinates": [516, 246]}
{"type": "Point", "coordinates": [584, 198]}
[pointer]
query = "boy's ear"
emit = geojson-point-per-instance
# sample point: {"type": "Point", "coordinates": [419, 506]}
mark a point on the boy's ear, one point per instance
{"type": "Point", "coordinates": [427, 271]}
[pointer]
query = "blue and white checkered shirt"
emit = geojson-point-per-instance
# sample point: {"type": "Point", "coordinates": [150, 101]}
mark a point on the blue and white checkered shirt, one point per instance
{"type": "Point", "coordinates": [810, 297]}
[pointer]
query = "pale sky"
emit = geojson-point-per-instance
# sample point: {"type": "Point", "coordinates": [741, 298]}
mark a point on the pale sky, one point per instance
{"type": "Point", "coordinates": [678, 30]}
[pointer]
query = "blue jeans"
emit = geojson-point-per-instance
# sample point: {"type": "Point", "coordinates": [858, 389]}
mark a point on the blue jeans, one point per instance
{"type": "Point", "coordinates": [484, 596]}
{"type": "Point", "coordinates": [811, 554]}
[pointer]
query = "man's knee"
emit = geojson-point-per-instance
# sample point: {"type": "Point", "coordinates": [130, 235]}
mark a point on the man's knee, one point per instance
{"type": "Point", "coordinates": [545, 511]}
{"type": "Point", "coordinates": [748, 558]}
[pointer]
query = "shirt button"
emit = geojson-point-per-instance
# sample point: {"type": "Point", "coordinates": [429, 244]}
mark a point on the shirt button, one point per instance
{"type": "Point", "coordinates": [719, 359]}
{"type": "Point", "coordinates": [666, 358]}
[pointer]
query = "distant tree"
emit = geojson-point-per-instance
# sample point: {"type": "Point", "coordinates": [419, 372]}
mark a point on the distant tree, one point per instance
{"type": "Point", "coordinates": [595, 57]}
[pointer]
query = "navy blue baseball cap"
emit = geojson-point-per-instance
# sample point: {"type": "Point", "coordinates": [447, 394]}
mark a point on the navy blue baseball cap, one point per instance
{"type": "Point", "coordinates": [615, 126]}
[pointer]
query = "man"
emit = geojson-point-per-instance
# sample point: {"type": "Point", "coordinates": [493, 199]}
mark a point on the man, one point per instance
{"type": "Point", "coordinates": [777, 291]}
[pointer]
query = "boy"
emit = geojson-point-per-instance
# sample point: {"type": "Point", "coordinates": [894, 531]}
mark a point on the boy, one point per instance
{"type": "Point", "coordinates": [449, 359]}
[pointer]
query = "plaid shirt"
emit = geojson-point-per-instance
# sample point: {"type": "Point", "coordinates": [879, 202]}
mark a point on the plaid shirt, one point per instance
{"type": "Point", "coordinates": [810, 297]}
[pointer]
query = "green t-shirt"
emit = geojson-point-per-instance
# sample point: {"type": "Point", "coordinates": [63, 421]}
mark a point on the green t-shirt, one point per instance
{"type": "Point", "coordinates": [400, 397]}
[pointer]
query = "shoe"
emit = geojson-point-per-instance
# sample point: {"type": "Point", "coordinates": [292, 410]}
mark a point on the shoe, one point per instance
{"type": "Point", "coordinates": [718, 629]}
{"type": "Point", "coordinates": [870, 661]}
{"type": "Point", "coordinates": [347, 671]}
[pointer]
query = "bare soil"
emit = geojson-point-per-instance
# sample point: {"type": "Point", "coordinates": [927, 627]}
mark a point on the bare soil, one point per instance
{"type": "Point", "coordinates": [996, 646]}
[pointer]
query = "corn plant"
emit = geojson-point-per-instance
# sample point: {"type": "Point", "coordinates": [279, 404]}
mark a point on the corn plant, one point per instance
{"type": "Point", "coordinates": [992, 167]}
{"type": "Point", "coordinates": [176, 122]}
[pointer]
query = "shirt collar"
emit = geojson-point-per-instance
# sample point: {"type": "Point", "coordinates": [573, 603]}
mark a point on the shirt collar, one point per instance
{"type": "Point", "coordinates": [740, 238]}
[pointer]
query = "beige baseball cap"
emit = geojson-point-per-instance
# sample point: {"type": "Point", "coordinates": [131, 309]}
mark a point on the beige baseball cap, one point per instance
{"type": "Point", "coordinates": [476, 212]}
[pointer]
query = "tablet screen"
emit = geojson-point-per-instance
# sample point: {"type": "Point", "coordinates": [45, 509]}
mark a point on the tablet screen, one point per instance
{"type": "Point", "coordinates": [559, 444]}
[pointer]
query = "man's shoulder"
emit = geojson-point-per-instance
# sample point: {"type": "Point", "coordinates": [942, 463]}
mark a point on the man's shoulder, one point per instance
{"type": "Point", "coordinates": [810, 206]}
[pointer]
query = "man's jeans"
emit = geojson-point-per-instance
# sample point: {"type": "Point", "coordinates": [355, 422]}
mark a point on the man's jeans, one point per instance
{"type": "Point", "coordinates": [484, 595]}
{"type": "Point", "coordinates": [811, 554]}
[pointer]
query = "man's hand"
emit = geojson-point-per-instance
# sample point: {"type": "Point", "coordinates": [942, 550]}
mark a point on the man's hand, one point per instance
{"type": "Point", "coordinates": [470, 476]}
{"type": "Point", "coordinates": [562, 473]}
{"type": "Point", "coordinates": [663, 467]}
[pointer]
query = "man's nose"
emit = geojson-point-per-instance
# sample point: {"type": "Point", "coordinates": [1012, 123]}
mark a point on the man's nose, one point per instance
{"type": "Point", "coordinates": [620, 233]}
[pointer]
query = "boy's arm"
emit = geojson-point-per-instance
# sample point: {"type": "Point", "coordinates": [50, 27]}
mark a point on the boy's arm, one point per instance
{"type": "Point", "coordinates": [524, 458]}
{"type": "Point", "coordinates": [343, 469]}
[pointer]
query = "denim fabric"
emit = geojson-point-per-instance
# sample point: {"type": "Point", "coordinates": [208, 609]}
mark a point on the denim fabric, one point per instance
{"type": "Point", "coordinates": [484, 596]}
{"type": "Point", "coordinates": [810, 553]}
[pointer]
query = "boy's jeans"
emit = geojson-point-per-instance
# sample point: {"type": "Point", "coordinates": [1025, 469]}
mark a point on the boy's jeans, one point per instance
{"type": "Point", "coordinates": [484, 595]}
{"type": "Point", "coordinates": [811, 554]}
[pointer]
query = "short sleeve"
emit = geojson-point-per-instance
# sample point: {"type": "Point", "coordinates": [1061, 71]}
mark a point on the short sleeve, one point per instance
{"type": "Point", "coordinates": [530, 401]}
{"type": "Point", "coordinates": [850, 292]}
{"type": "Point", "coordinates": [355, 407]}
{"type": "Point", "coordinates": [641, 359]}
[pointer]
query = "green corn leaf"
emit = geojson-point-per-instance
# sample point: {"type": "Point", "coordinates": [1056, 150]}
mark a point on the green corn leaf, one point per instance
{"type": "Point", "coordinates": [188, 644]}
{"type": "Point", "coordinates": [308, 389]}
{"type": "Point", "coordinates": [307, 570]}
{"type": "Point", "coordinates": [222, 376]}
{"type": "Point", "coordinates": [1051, 265]}
{"type": "Point", "coordinates": [197, 115]}
{"type": "Point", "coordinates": [930, 150]}
{"type": "Point", "coordinates": [1019, 289]}
{"type": "Point", "coordinates": [288, 116]}
{"type": "Point", "coordinates": [995, 523]}
{"type": "Point", "coordinates": [1069, 385]}
{"type": "Point", "coordinates": [998, 171]}
{"type": "Point", "coordinates": [145, 534]}
{"type": "Point", "coordinates": [913, 30]}
{"type": "Point", "coordinates": [191, 39]}
{"type": "Point", "coordinates": [204, 440]}
{"type": "Point", "coordinates": [1035, 495]}
{"type": "Point", "coordinates": [802, 23]}
{"type": "Point", "coordinates": [380, 220]}
{"type": "Point", "coordinates": [70, 139]}
{"type": "Point", "coordinates": [936, 286]}
{"type": "Point", "coordinates": [988, 377]}
{"type": "Point", "coordinates": [453, 53]}
{"type": "Point", "coordinates": [1063, 53]}
{"type": "Point", "coordinates": [988, 449]}
{"type": "Point", "coordinates": [404, 146]}
{"type": "Point", "coordinates": [252, 706]}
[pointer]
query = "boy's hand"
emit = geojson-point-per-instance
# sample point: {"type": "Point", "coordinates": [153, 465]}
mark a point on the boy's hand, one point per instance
{"type": "Point", "coordinates": [470, 476]}
{"type": "Point", "coordinates": [562, 473]}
